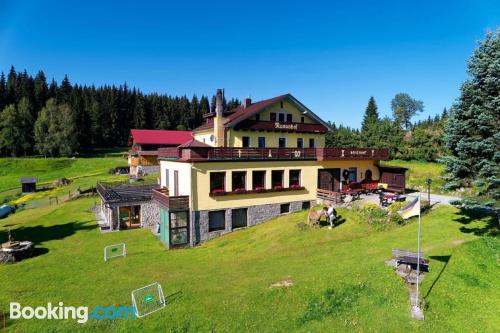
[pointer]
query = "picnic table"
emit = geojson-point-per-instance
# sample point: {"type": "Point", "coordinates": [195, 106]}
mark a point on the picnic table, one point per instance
{"type": "Point", "coordinates": [404, 257]}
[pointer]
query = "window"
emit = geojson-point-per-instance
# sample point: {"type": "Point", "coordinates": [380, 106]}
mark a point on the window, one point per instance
{"type": "Point", "coordinates": [245, 141]}
{"type": "Point", "coordinates": [311, 143]}
{"type": "Point", "coordinates": [239, 218]}
{"type": "Point", "coordinates": [257, 117]}
{"type": "Point", "coordinates": [294, 178]}
{"type": "Point", "coordinates": [302, 120]}
{"type": "Point", "coordinates": [216, 220]}
{"type": "Point", "coordinates": [262, 142]}
{"type": "Point", "coordinates": [239, 180]}
{"type": "Point", "coordinates": [306, 204]}
{"type": "Point", "coordinates": [353, 175]}
{"type": "Point", "coordinates": [289, 118]}
{"type": "Point", "coordinates": [300, 143]}
{"type": "Point", "coordinates": [281, 118]}
{"type": "Point", "coordinates": [277, 179]}
{"type": "Point", "coordinates": [217, 181]}
{"type": "Point", "coordinates": [167, 180]}
{"type": "Point", "coordinates": [284, 208]}
{"type": "Point", "coordinates": [282, 142]}
{"type": "Point", "coordinates": [258, 180]}
{"type": "Point", "coordinates": [176, 183]}
{"type": "Point", "coordinates": [273, 116]}
{"type": "Point", "coordinates": [281, 104]}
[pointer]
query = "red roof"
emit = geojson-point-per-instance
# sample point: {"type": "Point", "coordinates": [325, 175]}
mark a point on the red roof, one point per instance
{"type": "Point", "coordinates": [160, 137]}
{"type": "Point", "coordinates": [194, 144]}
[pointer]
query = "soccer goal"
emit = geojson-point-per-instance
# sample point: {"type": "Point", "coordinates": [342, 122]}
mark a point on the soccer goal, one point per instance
{"type": "Point", "coordinates": [148, 299]}
{"type": "Point", "coordinates": [113, 251]}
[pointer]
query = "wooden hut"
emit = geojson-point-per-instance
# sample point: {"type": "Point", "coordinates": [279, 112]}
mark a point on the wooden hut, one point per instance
{"type": "Point", "coordinates": [28, 184]}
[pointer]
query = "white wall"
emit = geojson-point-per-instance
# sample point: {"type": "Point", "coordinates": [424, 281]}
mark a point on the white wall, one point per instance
{"type": "Point", "coordinates": [184, 170]}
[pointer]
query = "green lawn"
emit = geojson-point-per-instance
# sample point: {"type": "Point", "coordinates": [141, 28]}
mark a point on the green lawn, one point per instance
{"type": "Point", "coordinates": [340, 281]}
{"type": "Point", "coordinates": [83, 171]}
{"type": "Point", "coordinates": [419, 171]}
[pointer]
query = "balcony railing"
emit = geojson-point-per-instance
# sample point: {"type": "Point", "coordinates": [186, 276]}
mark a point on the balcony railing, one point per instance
{"type": "Point", "coordinates": [172, 203]}
{"type": "Point", "coordinates": [235, 154]}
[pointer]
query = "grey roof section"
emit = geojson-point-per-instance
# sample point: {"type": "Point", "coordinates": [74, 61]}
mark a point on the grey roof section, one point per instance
{"type": "Point", "coordinates": [125, 192]}
{"type": "Point", "coordinates": [28, 180]}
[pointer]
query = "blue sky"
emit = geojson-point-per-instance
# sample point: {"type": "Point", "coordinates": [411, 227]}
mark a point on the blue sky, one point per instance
{"type": "Point", "coordinates": [331, 55]}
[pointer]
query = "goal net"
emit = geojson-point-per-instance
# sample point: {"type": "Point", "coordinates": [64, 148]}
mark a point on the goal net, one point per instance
{"type": "Point", "coordinates": [148, 299]}
{"type": "Point", "coordinates": [113, 251]}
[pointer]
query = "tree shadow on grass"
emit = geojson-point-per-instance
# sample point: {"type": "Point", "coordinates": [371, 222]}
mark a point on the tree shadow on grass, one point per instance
{"type": "Point", "coordinates": [40, 234]}
{"type": "Point", "coordinates": [445, 260]}
{"type": "Point", "coordinates": [491, 228]}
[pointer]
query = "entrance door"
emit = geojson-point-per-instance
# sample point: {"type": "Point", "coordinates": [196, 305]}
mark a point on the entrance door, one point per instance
{"type": "Point", "coordinates": [130, 217]}
{"type": "Point", "coordinates": [179, 228]}
{"type": "Point", "coordinates": [239, 218]}
{"type": "Point", "coordinates": [329, 179]}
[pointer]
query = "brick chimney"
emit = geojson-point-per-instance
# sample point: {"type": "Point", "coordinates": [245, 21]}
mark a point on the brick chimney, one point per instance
{"type": "Point", "coordinates": [247, 102]}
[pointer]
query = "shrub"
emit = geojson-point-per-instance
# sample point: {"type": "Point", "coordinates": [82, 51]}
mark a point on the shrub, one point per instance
{"type": "Point", "coordinates": [392, 213]}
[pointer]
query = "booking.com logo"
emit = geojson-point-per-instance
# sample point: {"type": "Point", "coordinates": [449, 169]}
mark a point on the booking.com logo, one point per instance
{"type": "Point", "coordinates": [61, 312]}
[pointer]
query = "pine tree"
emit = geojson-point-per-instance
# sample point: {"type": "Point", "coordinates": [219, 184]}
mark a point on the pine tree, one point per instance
{"type": "Point", "coordinates": [3, 91]}
{"type": "Point", "coordinates": [41, 91]}
{"type": "Point", "coordinates": [371, 115]}
{"type": "Point", "coordinates": [26, 125]}
{"type": "Point", "coordinates": [471, 133]}
{"type": "Point", "coordinates": [9, 131]}
{"type": "Point", "coordinates": [404, 108]}
{"type": "Point", "coordinates": [64, 91]}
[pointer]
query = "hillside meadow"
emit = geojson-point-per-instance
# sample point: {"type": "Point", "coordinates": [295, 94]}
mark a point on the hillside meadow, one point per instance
{"type": "Point", "coordinates": [340, 282]}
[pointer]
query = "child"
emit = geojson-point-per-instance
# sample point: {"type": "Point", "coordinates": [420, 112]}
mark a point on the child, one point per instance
{"type": "Point", "coordinates": [331, 214]}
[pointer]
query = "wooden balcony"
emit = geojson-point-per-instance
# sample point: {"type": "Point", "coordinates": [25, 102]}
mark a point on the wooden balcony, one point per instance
{"type": "Point", "coordinates": [249, 154]}
{"type": "Point", "coordinates": [172, 203]}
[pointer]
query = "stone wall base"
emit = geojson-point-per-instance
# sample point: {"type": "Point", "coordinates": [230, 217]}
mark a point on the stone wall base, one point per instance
{"type": "Point", "coordinates": [255, 215]}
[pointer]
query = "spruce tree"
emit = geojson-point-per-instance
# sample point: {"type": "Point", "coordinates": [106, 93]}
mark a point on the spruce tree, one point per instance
{"type": "Point", "coordinates": [371, 115]}
{"type": "Point", "coordinates": [10, 132]}
{"type": "Point", "coordinates": [471, 132]}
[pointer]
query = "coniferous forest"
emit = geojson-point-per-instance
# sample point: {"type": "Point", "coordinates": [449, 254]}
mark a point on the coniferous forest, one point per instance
{"type": "Point", "coordinates": [54, 119]}
{"type": "Point", "coordinates": [60, 119]}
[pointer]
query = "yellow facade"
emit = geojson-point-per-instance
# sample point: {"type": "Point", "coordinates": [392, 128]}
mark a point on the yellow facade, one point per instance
{"type": "Point", "coordinates": [234, 138]}
{"type": "Point", "coordinates": [288, 107]}
{"type": "Point", "coordinates": [200, 180]}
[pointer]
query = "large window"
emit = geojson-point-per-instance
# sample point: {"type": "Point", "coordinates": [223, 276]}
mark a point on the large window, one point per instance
{"type": "Point", "coordinates": [273, 116]}
{"type": "Point", "coordinates": [282, 142]}
{"type": "Point", "coordinates": [289, 117]}
{"type": "Point", "coordinates": [312, 144]}
{"type": "Point", "coordinates": [281, 116]}
{"type": "Point", "coordinates": [300, 143]}
{"type": "Point", "coordinates": [262, 142]}
{"type": "Point", "coordinates": [239, 180]}
{"type": "Point", "coordinates": [258, 180]}
{"type": "Point", "coordinates": [245, 141]}
{"type": "Point", "coordinates": [294, 178]}
{"type": "Point", "coordinates": [216, 220]}
{"type": "Point", "coordinates": [217, 182]}
{"type": "Point", "coordinates": [277, 179]}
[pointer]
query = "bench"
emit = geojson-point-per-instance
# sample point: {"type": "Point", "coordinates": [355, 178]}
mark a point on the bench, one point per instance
{"type": "Point", "coordinates": [411, 259]}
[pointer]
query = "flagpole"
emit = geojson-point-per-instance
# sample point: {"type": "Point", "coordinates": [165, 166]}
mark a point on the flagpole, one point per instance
{"type": "Point", "coordinates": [418, 251]}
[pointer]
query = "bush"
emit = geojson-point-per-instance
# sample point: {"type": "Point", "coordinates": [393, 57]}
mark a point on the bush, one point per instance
{"type": "Point", "coordinates": [392, 213]}
{"type": "Point", "coordinates": [374, 215]}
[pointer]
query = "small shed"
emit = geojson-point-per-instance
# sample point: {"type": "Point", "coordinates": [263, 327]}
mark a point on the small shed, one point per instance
{"type": "Point", "coordinates": [28, 184]}
{"type": "Point", "coordinates": [394, 177]}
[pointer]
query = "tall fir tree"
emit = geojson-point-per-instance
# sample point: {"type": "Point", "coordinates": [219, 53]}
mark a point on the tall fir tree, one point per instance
{"type": "Point", "coordinates": [471, 133]}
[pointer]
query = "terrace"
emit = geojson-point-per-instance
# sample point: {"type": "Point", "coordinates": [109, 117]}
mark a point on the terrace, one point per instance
{"type": "Point", "coordinates": [188, 154]}
{"type": "Point", "coordinates": [172, 203]}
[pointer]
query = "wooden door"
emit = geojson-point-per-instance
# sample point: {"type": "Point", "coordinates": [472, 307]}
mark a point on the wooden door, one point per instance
{"type": "Point", "coordinates": [329, 179]}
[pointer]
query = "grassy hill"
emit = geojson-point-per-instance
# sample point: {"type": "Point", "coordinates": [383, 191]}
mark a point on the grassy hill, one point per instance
{"type": "Point", "coordinates": [83, 171]}
{"type": "Point", "coordinates": [340, 282]}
